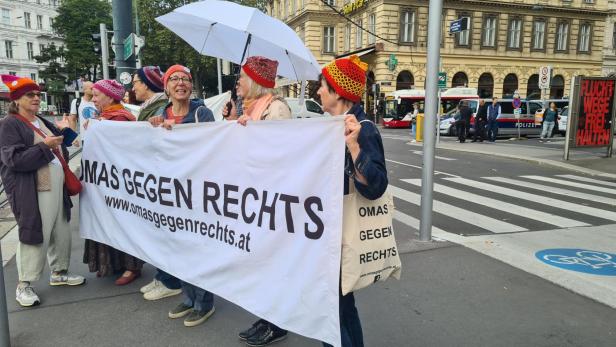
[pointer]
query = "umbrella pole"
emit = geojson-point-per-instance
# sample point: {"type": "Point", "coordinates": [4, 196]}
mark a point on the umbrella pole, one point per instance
{"type": "Point", "coordinates": [246, 48]}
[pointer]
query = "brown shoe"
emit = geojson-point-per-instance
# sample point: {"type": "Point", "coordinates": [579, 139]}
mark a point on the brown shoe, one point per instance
{"type": "Point", "coordinates": [127, 277]}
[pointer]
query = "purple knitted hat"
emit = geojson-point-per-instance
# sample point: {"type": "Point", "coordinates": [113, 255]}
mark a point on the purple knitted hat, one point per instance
{"type": "Point", "coordinates": [111, 88]}
{"type": "Point", "coordinates": [151, 77]}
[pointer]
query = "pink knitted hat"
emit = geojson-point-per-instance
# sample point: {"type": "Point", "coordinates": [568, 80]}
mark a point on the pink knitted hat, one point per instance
{"type": "Point", "coordinates": [111, 88]}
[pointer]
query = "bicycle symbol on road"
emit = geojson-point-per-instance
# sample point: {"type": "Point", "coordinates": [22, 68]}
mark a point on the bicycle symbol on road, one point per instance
{"type": "Point", "coordinates": [581, 260]}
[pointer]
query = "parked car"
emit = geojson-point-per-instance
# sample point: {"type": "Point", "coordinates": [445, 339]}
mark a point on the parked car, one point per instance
{"type": "Point", "coordinates": [447, 124]}
{"type": "Point", "coordinates": [310, 109]}
{"type": "Point", "coordinates": [562, 121]}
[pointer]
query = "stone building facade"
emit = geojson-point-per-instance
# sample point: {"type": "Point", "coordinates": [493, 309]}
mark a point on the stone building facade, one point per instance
{"type": "Point", "coordinates": [507, 42]}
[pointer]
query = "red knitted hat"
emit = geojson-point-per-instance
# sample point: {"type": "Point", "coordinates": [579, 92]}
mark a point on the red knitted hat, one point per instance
{"type": "Point", "coordinates": [175, 68]}
{"type": "Point", "coordinates": [18, 86]}
{"type": "Point", "coordinates": [347, 76]}
{"type": "Point", "coordinates": [261, 70]}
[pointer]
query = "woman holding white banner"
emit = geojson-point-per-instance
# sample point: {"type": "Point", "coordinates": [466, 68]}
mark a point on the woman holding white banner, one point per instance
{"type": "Point", "coordinates": [198, 303]}
{"type": "Point", "coordinates": [105, 260]}
{"type": "Point", "coordinates": [343, 82]}
{"type": "Point", "coordinates": [255, 88]}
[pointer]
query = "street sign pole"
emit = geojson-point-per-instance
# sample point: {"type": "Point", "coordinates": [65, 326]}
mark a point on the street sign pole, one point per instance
{"type": "Point", "coordinates": [5, 335]}
{"type": "Point", "coordinates": [104, 51]}
{"type": "Point", "coordinates": [430, 112]}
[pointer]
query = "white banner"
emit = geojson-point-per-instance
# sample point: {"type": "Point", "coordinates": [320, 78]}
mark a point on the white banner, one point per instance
{"type": "Point", "coordinates": [252, 214]}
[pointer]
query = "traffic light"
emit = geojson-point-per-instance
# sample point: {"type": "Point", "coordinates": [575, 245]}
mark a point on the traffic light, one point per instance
{"type": "Point", "coordinates": [97, 43]}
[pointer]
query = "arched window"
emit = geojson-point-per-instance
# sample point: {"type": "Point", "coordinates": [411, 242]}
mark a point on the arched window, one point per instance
{"type": "Point", "coordinates": [405, 80]}
{"type": "Point", "coordinates": [459, 80]}
{"type": "Point", "coordinates": [486, 85]}
{"type": "Point", "coordinates": [510, 85]}
{"type": "Point", "coordinates": [557, 87]}
{"type": "Point", "coordinates": [532, 88]}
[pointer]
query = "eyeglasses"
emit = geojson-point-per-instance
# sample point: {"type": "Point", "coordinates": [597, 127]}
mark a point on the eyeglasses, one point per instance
{"type": "Point", "coordinates": [31, 95]}
{"type": "Point", "coordinates": [176, 79]}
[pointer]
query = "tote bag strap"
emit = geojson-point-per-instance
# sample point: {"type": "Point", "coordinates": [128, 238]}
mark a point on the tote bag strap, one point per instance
{"type": "Point", "coordinates": [197, 114]}
{"type": "Point", "coordinates": [43, 135]}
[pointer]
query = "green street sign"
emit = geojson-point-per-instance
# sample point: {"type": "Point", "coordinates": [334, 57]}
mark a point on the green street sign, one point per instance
{"type": "Point", "coordinates": [129, 46]}
{"type": "Point", "coordinates": [442, 80]}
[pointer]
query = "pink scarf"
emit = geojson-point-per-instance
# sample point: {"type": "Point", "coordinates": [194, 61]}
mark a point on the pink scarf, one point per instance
{"type": "Point", "coordinates": [258, 106]}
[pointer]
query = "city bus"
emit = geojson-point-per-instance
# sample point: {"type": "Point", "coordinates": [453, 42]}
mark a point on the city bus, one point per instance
{"type": "Point", "coordinates": [399, 104]}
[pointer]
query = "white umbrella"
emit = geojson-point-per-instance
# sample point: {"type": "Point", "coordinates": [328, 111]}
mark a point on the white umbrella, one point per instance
{"type": "Point", "coordinates": [234, 32]}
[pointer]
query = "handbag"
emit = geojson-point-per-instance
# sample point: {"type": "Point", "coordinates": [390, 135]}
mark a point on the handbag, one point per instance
{"type": "Point", "coordinates": [369, 250]}
{"type": "Point", "coordinates": [71, 182]}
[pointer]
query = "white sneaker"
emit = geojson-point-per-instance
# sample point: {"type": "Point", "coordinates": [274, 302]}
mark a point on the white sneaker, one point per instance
{"type": "Point", "coordinates": [160, 292]}
{"type": "Point", "coordinates": [25, 295]}
{"type": "Point", "coordinates": [66, 279]}
{"type": "Point", "coordinates": [150, 286]}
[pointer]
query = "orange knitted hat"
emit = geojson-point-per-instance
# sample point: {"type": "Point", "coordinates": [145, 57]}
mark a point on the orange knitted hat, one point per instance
{"type": "Point", "coordinates": [18, 86]}
{"type": "Point", "coordinates": [347, 76]}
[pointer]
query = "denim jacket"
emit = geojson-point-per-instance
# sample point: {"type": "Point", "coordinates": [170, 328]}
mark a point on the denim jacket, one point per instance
{"type": "Point", "coordinates": [370, 161]}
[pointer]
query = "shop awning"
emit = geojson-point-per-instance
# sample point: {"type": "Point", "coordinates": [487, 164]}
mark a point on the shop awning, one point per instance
{"type": "Point", "coordinates": [358, 52]}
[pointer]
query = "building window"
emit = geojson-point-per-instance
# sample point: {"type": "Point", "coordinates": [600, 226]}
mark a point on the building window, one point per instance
{"type": "Point", "coordinates": [359, 34]}
{"type": "Point", "coordinates": [285, 8]}
{"type": "Point", "coordinates": [27, 20]}
{"type": "Point", "coordinates": [407, 26]}
{"type": "Point", "coordinates": [532, 88]}
{"type": "Point", "coordinates": [347, 38]}
{"type": "Point", "coordinates": [328, 40]}
{"type": "Point", "coordinates": [539, 34]}
{"type": "Point", "coordinates": [33, 76]}
{"type": "Point", "coordinates": [293, 8]}
{"type": "Point", "coordinates": [510, 85]}
{"type": "Point", "coordinates": [486, 85]}
{"type": "Point", "coordinates": [405, 80]}
{"type": "Point", "coordinates": [12, 73]}
{"type": "Point", "coordinates": [557, 87]}
{"type": "Point", "coordinates": [584, 38]}
{"type": "Point", "coordinates": [39, 22]}
{"type": "Point", "coordinates": [514, 34]}
{"type": "Point", "coordinates": [6, 16]}
{"type": "Point", "coordinates": [459, 80]}
{"type": "Point", "coordinates": [372, 28]}
{"type": "Point", "coordinates": [463, 37]}
{"type": "Point", "coordinates": [30, 48]}
{"type": "Point", "coordinates": [562, 36]}
{"type": "Point", "coordinates": [51, 24]}
{"type": "Point", "coordinates": [331, 2]}
{"type": "Point", "coordinates": [8, 46]}
{"type": "Point", "coordinates": [489, 31]}
{"type": "Point", "coordinates": [41, 48]}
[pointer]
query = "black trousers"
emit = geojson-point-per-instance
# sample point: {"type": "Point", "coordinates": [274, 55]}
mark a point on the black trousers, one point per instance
{"type": "Point", "coordinates": [461, 130]}
{"type": "Point", "coordinates": [480, 131]}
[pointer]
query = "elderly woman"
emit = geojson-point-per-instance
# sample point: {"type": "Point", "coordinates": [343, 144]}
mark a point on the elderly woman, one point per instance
{"type": "Point", "coordinates": [257, 78]}
{"type": "Point", "coordinates": [105, 260]}
{"type": "Point", "coordinates": [148, 88]}
{"type": "Point", "coordinates": [31, 170]}
{"type": "Point", "coordinates": [343, 83]}
{"type": "Point", "coordinates": [198, 304]}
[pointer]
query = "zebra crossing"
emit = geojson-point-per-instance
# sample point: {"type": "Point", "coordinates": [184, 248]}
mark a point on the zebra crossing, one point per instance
{"type": "Point", "coordinates": [493, 205]}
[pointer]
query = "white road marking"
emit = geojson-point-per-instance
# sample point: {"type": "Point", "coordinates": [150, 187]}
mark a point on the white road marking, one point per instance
{"type": "Point", "coordinates": [482, 221]}
{"type": "Point", "coordinates": [503, 206]}
{"type": "Point", "coordinates": [572, 184]}
{"type": "Point", "coordinates": [591, 180]}
{"type": "Point", "coordinates": [436, 156]}
{"type": "Point", "coordinates": [420, 167]}
{"type": "Point", "coordinates": [555, 203]}
{"type": "Point", "coordinates": [554, 190]}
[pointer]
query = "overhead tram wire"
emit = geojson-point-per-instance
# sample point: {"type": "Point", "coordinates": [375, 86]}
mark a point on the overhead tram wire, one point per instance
{"type": "Point", "coordinates": [364, 29]}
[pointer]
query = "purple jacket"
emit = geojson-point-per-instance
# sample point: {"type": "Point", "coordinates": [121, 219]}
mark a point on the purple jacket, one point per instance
{"type": "Point", "coordinates": [20, 159]}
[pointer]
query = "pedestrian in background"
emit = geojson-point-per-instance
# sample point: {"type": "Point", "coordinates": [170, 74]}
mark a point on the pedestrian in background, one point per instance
{"type": "Point", "coordinates": [549, 119]}
{"type": "Point", "coordinates": [481, 118]}
{"type": "Point", "coordinates": [83, 109]}
{"type": "Point", "coordinates": [494, 111]}
{"type": "Point", "coordinates": [414, 115]}
{"type": "Point", "coordinates": [32, 173]}
{"type": "Point", "coordinates": [343, 83]}
{"type": "Point", "coordinates": [198, 304]}
{"type": "Point", "coordinates": [102, 259]}
{"type": "Point", "coordinates": [465, 118]}
{"type": "Point", "coordinates": [148, 88]}
{"type": "Point", "coordinates": [255, 88]}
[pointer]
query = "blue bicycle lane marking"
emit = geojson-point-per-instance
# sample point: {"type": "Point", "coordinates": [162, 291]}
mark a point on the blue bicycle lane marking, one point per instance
{"type": "Point", "coordinates": [580, 260]}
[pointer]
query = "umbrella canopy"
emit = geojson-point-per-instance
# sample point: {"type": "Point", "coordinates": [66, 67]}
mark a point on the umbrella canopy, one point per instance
{"type": "Point", "coordinates": [234, 32]}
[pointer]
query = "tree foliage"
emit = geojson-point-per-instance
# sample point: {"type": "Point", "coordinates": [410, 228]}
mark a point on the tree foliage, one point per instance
{"type": "Point", "coordinates": [164, 48]}
{"type": "Point", "coordinates": [77, 20]}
